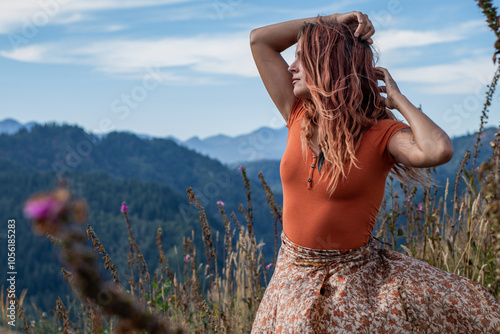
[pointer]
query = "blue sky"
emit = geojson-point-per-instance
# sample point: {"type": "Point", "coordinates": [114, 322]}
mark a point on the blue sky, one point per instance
{"type": "Point", "coordinates": [183, 68]}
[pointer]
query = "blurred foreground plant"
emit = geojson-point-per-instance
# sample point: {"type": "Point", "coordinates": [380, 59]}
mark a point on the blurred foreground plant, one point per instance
{"type": "Point", "coordinates": [227, 305]}
{"type": "Point", "coordinates": [55, 213]}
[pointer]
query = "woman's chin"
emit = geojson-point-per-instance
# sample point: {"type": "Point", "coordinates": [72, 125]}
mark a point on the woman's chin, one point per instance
{"type": "Point", "coordinates": [306, 95]}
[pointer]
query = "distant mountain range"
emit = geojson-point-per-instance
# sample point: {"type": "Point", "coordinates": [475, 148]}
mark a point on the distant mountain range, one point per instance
{"type": "Point", "coordinates": [11, 126]}
{"type": "Point", "coordinates": [262, 144]}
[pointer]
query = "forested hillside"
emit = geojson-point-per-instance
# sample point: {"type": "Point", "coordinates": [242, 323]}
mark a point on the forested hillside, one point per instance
{"type": "Point", "coordinates": [150, 175]}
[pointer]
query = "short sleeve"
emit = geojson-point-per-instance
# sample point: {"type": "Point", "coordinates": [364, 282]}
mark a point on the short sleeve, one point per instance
{"type": "Point", "coordinates": [380, 136]}
{"type": "Point", "coordinates": [296, 112]}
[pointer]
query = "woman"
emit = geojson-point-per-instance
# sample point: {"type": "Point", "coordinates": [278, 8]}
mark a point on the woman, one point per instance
{"type": "Point", "coordinates": [342, 143]}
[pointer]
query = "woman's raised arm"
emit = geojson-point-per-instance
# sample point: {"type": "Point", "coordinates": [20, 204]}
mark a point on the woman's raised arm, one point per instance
{"type": "Point", "coordinates": [268, 42]}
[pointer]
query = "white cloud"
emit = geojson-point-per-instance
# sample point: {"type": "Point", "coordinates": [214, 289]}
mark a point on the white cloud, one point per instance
{"type": "Point", "coordinates": [395, 39]}
{"type": "Point", "coordinates": [387, 40]}
{"type": "Point", "coordinates": [211, 54]}
{"type": "Point", "coordinates": [462, 77]}
{"type": "Point", "coordinates": [70, 18]}
{"type": "Point", "coordinates": [30, 54]}
{"type": "Point", "coordinates": [14, 14]}
{"type": "Point", "coordinates": [308, 11]}
{"type": "Point", "coordinates": [115, 27]}
{"type": "Point", "coordinates": [86, 5]}
{"type": "Point", "coordinates": [197, 11]}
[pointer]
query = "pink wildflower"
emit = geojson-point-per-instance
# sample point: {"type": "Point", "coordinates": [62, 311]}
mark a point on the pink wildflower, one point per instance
{"type": "Point", "coordinates": [48, 211]}
{"type": "Point", "coordinates": [124, 208]}
{"type": "Point", "coordinates": [269, 266]}
{"type": "Point", "coordinates": [187, 258]}
{"type": "Point", "coordinates": [43, 208]}
{"type": "Point", "coordinates": [436, 231]}
{"type": "Point", "coordinates": [221, 203]}
{"type": "Point", "coordinates": [420, 208]}
{"type": "Point", "coordinates": [240, 168]}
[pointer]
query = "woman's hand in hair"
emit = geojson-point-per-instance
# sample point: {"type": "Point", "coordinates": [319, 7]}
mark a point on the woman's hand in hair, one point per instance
{"type": "Point", "coordinates": [390, 88]}
{"type": "Point", "coordinates": [364, 25]}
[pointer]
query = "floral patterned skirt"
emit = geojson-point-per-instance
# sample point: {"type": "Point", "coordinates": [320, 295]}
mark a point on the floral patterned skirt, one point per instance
{"type": "Point", "coordinates": [370, 290]}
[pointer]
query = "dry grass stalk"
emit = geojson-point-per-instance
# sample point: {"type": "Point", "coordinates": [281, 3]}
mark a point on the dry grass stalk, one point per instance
{"type": "Point", "coordinates": [98, 246]}
{"type": "Point", "coordinates": [135, 255]}
{"type": "Point", "coordinates": [276, 211]}
{"type": "Point", "coordinates": [63, 317]}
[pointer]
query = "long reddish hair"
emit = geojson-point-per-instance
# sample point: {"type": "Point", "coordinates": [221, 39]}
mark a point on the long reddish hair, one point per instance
{"type": "Point", "coordinates": [340, 74]}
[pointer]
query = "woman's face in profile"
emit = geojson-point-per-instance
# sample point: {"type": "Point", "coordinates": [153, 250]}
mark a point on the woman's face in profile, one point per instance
{"type": "Point", "coordinates": [300, 88]}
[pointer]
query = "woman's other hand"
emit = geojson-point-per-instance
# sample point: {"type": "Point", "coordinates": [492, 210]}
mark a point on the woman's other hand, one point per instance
{"type": "Point", "coordinates": [390, 88]}
{"type": "Point", "coordinates": [365, 27]}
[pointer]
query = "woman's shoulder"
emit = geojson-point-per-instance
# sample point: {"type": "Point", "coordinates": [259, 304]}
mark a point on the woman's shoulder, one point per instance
{"type": "Point", "coordinates": [379, 135]}
{"type": "Point", "coordinates": [386, 126]}
{"type": "Point", "coordinates": [296, 113]}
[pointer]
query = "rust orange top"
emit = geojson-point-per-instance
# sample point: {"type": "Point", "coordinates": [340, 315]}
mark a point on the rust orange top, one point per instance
{"type": "Point", "coordinates": [344, 221]}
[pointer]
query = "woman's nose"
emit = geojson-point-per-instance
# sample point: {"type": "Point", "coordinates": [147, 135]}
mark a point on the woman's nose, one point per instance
{"type": "Point", "coordinates": [292, 68]}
